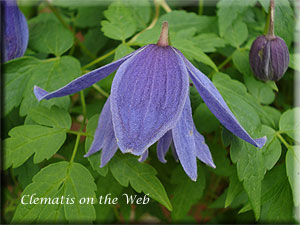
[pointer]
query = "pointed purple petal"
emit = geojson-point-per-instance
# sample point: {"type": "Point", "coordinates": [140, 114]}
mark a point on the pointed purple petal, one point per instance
{"type": "Point", "coordinates": [144, 156]}
{"type": "Point", "coordinates": [147, 97]}
{"type": "Point", "coordinates": [215, 102]}
{"type": "Point", "coordinates": [183, 137]}
{"type": "Point", "coordinates": [110, 146]}
{"type": "Point", "coordinates": [104, 127]}
{"type": "Point", "coordinates": [201, 149]}
{"type": "Point", "coordinates": [174, 151]}
{"type": "Point", "coordinates": [84, 81]}
{"type": "Point", "coordinates": [163, 146]}
{"type": "Point", "coordinates": [15, 30]}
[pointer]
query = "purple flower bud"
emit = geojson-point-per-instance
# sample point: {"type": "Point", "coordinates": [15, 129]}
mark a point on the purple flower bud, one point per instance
{"type": "Point", "coordinates": [15, 30]}
{"type": "Point", "coordinates": [269, 57]}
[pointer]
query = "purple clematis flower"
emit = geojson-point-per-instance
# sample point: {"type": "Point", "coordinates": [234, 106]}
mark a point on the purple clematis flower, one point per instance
{"type": "Point", "coordinates": [149, 102]}
{"type": "Point", "coordinates": [15, 30]}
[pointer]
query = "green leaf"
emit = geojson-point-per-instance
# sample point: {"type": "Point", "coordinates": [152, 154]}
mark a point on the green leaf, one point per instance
{"type": "Point", "coordinates": [285, 21]}
{"type": "Point", "coordinates": [107, 185]}
{"type": "Point", "coordinates": [233, 89]}
{"type": "Point", "coordinates": [44, 141]}
{"type": "Point", "coordinates": [122, 50]}
{"type": "Point", "coordinates": [261, 91]}
{"type": "Point", "coordinates": [190, 49]}
{"type": "Point", "coordinates": [186, 192]}
{"type": "Point", "coordinates": [236, 33]}
{"type": "Point", "coordinates": [54, 117]}
{"type": "Point", "coordinates": [241, 61]}
{"type": "Point", "coordinates": [94, 40]}
{"type": "Point", "coordinates": [289, 124]}
{"type": "Point", "coordinates": [277, 203]}
{"type": "Point", "coordinates": [88, 16]}
{"type": "Point", "coordinates": [274, 115]}
{"type": "Point", "coordinates": [28, 139]}
{"type": "Point", "coordinates": [280, 208]}
{"type": "Point", "coordinates": [293, 172]}
{"type": "Point", "coordinates": [205, 121]}
{"type": "Point", "coordinates": [23, 73]}
{"type": "Point", "coordinates": [272, 149]}
{"type": "Point", "coordinates": [208, 42]}
{"type": "Point", "coordinates": [95, 158]}
{"type": "Point", "coordinates": [120, 24]}
{"type": "Point", "coordinates": [294, 58]}
{"type": "Point", "coordinates": [250, 170]}
{"type": "Point", "coordinates": [141, 12]}
{"type": "Point", "coordinates": [234, 189]}
{"type": "Point", "coordinates": [49, 36]}
{"type": "Point", "coordinates": [265, 4]}
{"type": "Point", "coordinates": [126, 169]}
{"type": "Point", "coordinates": [26, 172]}
{"type": "Point", "coordinates": [17, 73]}
{"type": "Point", "coordinates": [228, 12]}
{"type": "Point", "coordinates": [178, 20]}
{"type": "Point", "coordinates": [71, 180]}
{"type": "Point", "coordinates": [252, 164]}
{"type": "Point", "coordinates": [235, 95]}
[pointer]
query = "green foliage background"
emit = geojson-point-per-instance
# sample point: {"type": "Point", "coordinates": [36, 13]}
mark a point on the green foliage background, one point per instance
{"type": "Point", "coordinates": [44, 142]}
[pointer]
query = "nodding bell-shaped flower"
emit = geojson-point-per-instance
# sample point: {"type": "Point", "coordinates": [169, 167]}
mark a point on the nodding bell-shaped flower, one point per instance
{"type": "Point", "coordinates": [15, 30]}
{"type": "Point", "coordinates": [150, 102]}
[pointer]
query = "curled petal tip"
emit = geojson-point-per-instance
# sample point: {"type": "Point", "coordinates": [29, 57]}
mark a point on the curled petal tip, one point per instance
{"type": "Point", "coordinates": [163, 161]}
{"type": "Point", "coordinates": [260, 142]}
{"type": "Point", "coordinates": [86, 155]}
{"type": "Point", "coordinates": [39, 93]}
{"type": "Point", "coordinates": [144, 156]}
{"type": "Point", "coordinates": [212, 165]}
{"type": "Point", "coordinates": [194, 178]}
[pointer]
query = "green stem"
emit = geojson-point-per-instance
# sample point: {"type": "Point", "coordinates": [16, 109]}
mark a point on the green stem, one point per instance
{"type": "Point", "coordinates": [83, 109]}
{"type": "Point", "coordinates": [78, 133]}
{"type": "Point", "coordinates": [200, 10]}
{"type": "Point", "coordinates": [82, 126]}
{"type": "Point", "coordinates": [152, 24]}
{"type": "Point", "coordinates": [75, 148]}
{"type": "Point", "coordinates": [99, 59]}
{"type": "Point", "coordinates": [77, 41]}
{"type": "Point", "coordinates": [115, 210]}
{"type": "Point", "coordinates": [267, 24]}
{"type": "Point", "coordinates": [100, 90]}
{"type": "Point", "coordinates": [165, 6]}
{"type": "Point", "coordinates": [58, 16]}
{"type": "Point", "coordinates": [283, 140]}
{"type": "Point", "coordinates": [224, 63]}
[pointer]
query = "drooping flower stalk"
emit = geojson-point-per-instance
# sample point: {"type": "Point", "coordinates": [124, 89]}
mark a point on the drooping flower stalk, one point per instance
{"type": "Point", "coordinates": [150, 102]}
{"type": "Point", "coordinates": [269, 54]}
{"type": "Point", "coordinates": [271, 22]}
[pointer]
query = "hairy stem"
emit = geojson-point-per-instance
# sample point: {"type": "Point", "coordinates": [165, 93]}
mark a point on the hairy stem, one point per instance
{"type": "Point", "coordinates": [78, 133]}
{"type": "Point", "coordinates": [271, 23]}
{"type": "Point", "coordinates": [77, 41]}
{"type": "Point", "coordinates": [99, 59]}
{"type": "Point", "coordinates": [283, 140]}
{"type": "Point", "coordinates": [100, 90]}
{"type": "Point", "coordinates": [165, 6]}
{"type": "Point", "coordinates": [152, 24]}
{"type": "Point", "coordinates": [200, 9]}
